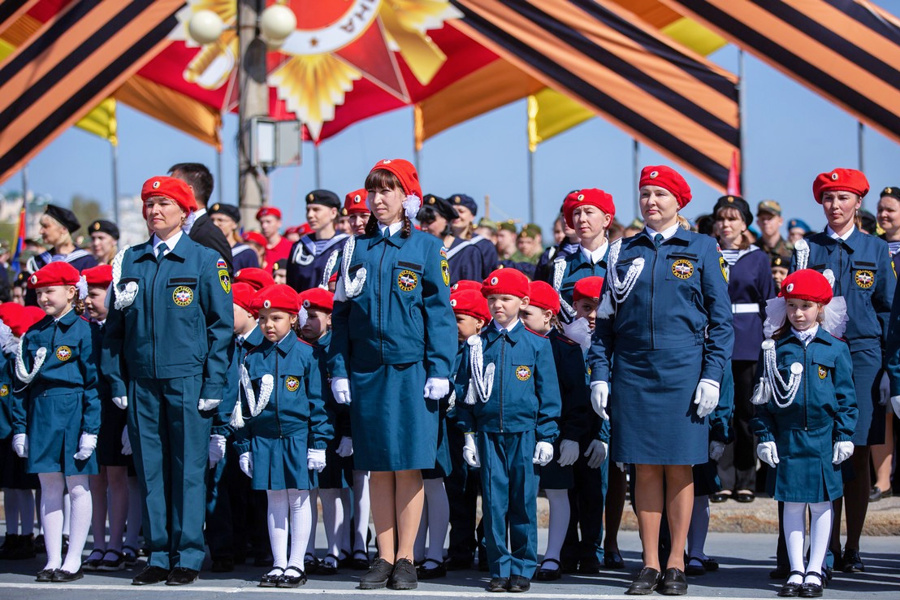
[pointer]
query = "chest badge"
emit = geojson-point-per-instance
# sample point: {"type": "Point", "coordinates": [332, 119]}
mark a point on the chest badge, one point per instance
{"type": "Point", "coordinates": [407, 280]}
{"type": "Point", "coordinates": [823, 372]}
{"type": "Point", "coordinates": [183, 295]}
{"type": "Point", "coordinates": [4, 391]}
{"type": "Point", "coordinates": [683, 268]}
{"type": "Point", "coordinates": [63, 353]}
{"type": "Point", "coordinates": [864, 279]}
{"type": "Point", "coordinates": [445, 272]}
{"type": "Point", "coordinates": [523, 373]}
{"type": "Point", "coordinates": [292, 384]}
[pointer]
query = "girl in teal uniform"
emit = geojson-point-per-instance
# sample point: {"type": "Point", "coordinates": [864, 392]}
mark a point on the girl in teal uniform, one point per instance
{"type": "Point", "coordinates": [56, 415]}
{"type": "Point", "coordinates": [806, 425]}
{"type": "Point", "coordinates": [287, 429]}
{"type": "Point", "coordinates": [390, 355]}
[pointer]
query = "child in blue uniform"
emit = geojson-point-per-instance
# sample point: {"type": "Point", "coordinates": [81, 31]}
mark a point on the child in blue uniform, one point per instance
{"type": "Point", "coordinates": [511, 405]}
{"type": "Point", "coordinates": [806, 426]}
{"type": "Point", "coordinates": [287, 429]}
{"type": "Point", "coordinates": [56, 415]}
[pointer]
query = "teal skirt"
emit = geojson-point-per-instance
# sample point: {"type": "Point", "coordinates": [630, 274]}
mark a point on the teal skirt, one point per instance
{"type": "Point", "coordinates": [280, 463]}
{"type": "Point", "coordinates": [54, 432]}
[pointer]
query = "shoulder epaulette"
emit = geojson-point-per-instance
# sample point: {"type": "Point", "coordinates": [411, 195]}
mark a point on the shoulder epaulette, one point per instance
{"type": "Point", "coordinates": [533, 331]}
{"type": "Point", "coordinates": [566, 340]}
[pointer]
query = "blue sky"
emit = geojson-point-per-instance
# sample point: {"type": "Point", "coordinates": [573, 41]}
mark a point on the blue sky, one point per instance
{"type": "Point", "coordinates": [791, 135]}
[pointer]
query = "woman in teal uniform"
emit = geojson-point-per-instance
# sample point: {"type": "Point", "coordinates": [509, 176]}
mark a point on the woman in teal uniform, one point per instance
{"type": "Point", "coordinates": [666, 313]}
{"type": "Point", "coordinates": [864, 277]}
{"type": "Point", "coordinates": [391, 352]}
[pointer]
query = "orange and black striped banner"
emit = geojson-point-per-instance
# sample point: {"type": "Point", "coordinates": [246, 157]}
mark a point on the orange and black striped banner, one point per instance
{"type": "Point", "coordinates": [10, 10]}
{"type": "Point", "coordinates": [77, 58]}
{"type": "Point", "coordinates": [607, 58]}
{"type": "Point", "coordinates": [845, 50]}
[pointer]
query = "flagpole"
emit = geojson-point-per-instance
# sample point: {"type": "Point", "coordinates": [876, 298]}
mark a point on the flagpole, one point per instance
{"type": "Point", "coordinates": [860, 143]}
{"type": "Point", "coordinates": [219, 177]}
{"type": "Point", "coordinates": [115, 182]}
{"type": "Point", "coordinates": [742, 116]}
{"type": "Point", "coordinates": [530, 186]}
{"type": "Point", "coordinates": [318, 172]}
{"type": "Point", "coordinates": [25, 186]}
{"type": "Point", "coordinates": [636, 174]}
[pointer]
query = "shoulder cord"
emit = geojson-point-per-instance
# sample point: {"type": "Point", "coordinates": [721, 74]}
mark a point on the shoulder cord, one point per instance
{"type": "Point", "coordinates": [481, 382]}
{"type": "Point", "coordinates": [801, 247]}
{"type": "Point", "coordinates": [618, 291]}
{"type": "Point", "coordinates": [124, 296]}
{"type": "Point", "coordinates": [780, 389]}
{"type": "Point", "coordinates": [559, 269]}
{"type": "Point", "coordinates": [39, 356]}
{"type": "Point", "coordinates": [352, 287]}
{"type": "Point", "coordinates": [266, 385]}
{"type": "Point", "coordinates": [329, 267]}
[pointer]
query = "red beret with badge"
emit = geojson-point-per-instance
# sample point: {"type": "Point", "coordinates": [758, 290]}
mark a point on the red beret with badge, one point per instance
{"type": "Point", "coordinates": [242, 294]}
{"type": "Point", "coordinates": [587, 287]}
{"type": "Point", "coordinates": [257, 278]}
{"type": "Point", "coordinates": [55, 273]}
{"type": "Point", "coordinates": [267, 211]}
{"type": "Point", "coordinates": [355, 203]}
{"type": "Point", "coordinates": [668, 179]}
{"type": "Point", "coordinates": [317, 299]}
{"type": "Point", "coordinates": [277, 297]}
{"type": "Point", "coordinates": [588, 197]}
{"type": "Point", "coordinates": [465, 284]}
{"type": "Point", "coordinates": [542, 295]}
{"type": "Point", "coordinates": [101, 275]}
{"type": "Point", "coordinates": [470, 302]}
{"type": "Point", "coordinates": [806, 284]}
{"type": "Point", "coordinates": [506, 281]}
{"type": "Point", "coordinates": [840, 180]}
{"type": "Point", "coordinates": [172, 188]}
{"type": "Point", "coordinates": [404, 171]}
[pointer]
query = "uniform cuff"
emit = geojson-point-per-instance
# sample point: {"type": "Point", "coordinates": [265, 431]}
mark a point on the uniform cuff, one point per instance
{"type": "Point", "coordinates": [320, 445]}
{"type": "Point", "coordinates": [842, 438]}
{"type": "Point", "coordinates": [117, 389]}
{"type": "Point", "coordinates": [242, 446]}
{"type": "Point", "coordinates": [211, 390]}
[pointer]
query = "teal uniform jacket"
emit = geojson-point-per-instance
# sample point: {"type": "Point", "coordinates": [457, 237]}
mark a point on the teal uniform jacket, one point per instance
{"type": "Point", "coordinates": [574, 267]}
{"type": "Point", "coordinates": [823, 412]}
{"type": "Point", "coordinates": [61, 402]}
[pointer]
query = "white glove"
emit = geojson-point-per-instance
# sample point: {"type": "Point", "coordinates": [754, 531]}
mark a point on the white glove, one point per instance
{"type": "Point", "coordinates": [345, 447]}
{"type": "Point", "coordinates": [762, 393]}
{"type": "Point", "coordinates": [315, 459]}
{"type": "Point", "coordinates": [121, 401]}
{"type": "Point", "coordinates": [20, 445]}
{"type": "Point", "coordinates": [599, 398]}
{"type": "Point", "coordinates": [884, 389]}
{"type": "Point", "coordinates": [437, 388]}
{"type": "Point", "coordinates": [340, 389]}
{"type": "Point", "coordinates": [842, 451]}
{"type": "Point", "coordinates": [470, 451]}
{"type": "Point", "coordinates": [716, 450]}
{"type": "Point", "coordinates": [206, 404]}
{"type": "Point", "coordinates": [86, 446]}
{"type": "Point", "coordinates": [543, 453]}
{"type": "Point", "coordinates": [568, 453]}
{"type": "Point", "coordinates": [596, 453]}
{"type": "Point", "coordinates": [216, 449]}
{"type": "Point", "coordinates": [245, 462]}
{"type": "Point", "coordinates": [895, 404]}
{"type": "Point", "coordinates": [768, 453]}
{"type": "Point", "coordinates": [707, 397]}
{"type": "Point", "coordinates": [126, 443]}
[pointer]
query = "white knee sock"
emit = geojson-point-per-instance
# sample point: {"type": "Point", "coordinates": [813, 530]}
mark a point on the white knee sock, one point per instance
{"type": "Point", "coordinates": [52, 489]}
{"type": "Point", "coordinates": [361, 509]}
{"type": "Point", "coordinates": [67, 512]}
{"type": "Point", "coordinates": [135, 513]}
{"type": "Point", "coordinates": [278, 526]}
{"type": "Point", "coordinates": [696, 539]}
{"type": "Point", "coordinates": [314, 519]}
{"type": "Point", "coordinates": [301, 524]}
{"type": "Point", "coordinates": [794, 522]}
{"type": "Point", "coordinates": [12, 509]}
{"type": "Point", "coordinates": [560, 512]}
{"type": "Point", "coordinates": [438, 517]}
{"type": "Point", "coordinates": [333, 520]}
{"type": "Point", "coordinates": [819, 536]}
{"type": "Point", "coordinates": [79, 520]}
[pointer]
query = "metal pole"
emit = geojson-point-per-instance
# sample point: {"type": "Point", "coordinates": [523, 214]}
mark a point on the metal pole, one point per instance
{"type": "Point", "coordinates": [636, 175]}
{"type": "Point", "coordinates": [530, 186]}
{"type": "Point", "coordinates": [219, 176]}
{"type": "Point", "coordinates": [253, 94]}
{"type": "Point", "coordinates": [742, 116]}
{"type": "Point", "coordinates": [115, 182]}
{"type": "Point", "coordinates": [860, 142]}
{"type": "Point", "coordinates": [25, 186]}
{"type": "Point", "coordinates": [318, 158]}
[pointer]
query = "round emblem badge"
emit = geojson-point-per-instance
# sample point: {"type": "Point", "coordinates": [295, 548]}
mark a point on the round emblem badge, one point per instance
{"type": "Point", "coordinates": [683, 268]}
{"type": "Point", "coordinates": [183, 295]}
{"type": "Point", "coordinates": [789, 288]}
{"type": "Point", "coordinates": [63, 353]}
{"type": "Point", "coordinates": [33, 279]}
{"type": "Point", "coordinates": [4, 390]}
{"type": "Point", "coordinates": [453, 303]}
{"type": "Point", "coordinates": [407, 280]}
{"type": "Point", "coordinates": [834, 176]}
{"type": "Point", "coordinates": [292, 384]}
{"type": "Point", "coordinates": [357, 199]}
{"type": "Point", "coordinates": [654, 174]}
{"type": "Point", "coordinates": [823, 372]}
{"type": "Point", "coordinates": [523, 373]}
{"type": "Point", "coordinates": [864, 279]}
{"type": "Point", "coordinates": [155, 185]}
{"type": "Point", "coordinates": [580, 197]}
{"type": "Point", "coordinates": [494, 280]}
{"type": "Point", "coordinates": [306, 303]}
{"type": "Point", "coordinates": [267, 304]}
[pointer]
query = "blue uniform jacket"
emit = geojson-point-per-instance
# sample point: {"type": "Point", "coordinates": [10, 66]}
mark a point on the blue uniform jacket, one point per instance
{"type": "Point", "coordinates": [338, 414]}
{"type": "Point", "coordinates": [576, 416]}
{"type": "Point", "coordinates": [576, 267]}
{"type": "Point", "coordinates": [306, 267]}
{"type": "Point", "coordinates": [864, 277]}
{"type": "Point", "coordinates": [180, 324]}
{"type": "Point", "coordinates": [679, 300]}
{"type": "Point", "coordinates": [750, 282]}
{"type": "Point", "coordinates": [295, 405]}
{"type": "Point", "coordinates": [543, 271]}
{"type": "Point", "coordinates": [221, 421]}
{"type": "Point", "coordinates": [472, 259]}
{"type": "Point", "coordinates": [402, 315]}
{"type": "Point", "coordinates": [525, 395]}
{"type": "Point", "coordinates": [243, 257]}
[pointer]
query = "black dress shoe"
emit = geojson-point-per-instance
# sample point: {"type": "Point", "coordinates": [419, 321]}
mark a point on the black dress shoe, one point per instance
{"type": "Point", "coordinates": [589, 565]}
{"type": "Point", "coordinates": [360, 560]}
{"type": "Point", "coordinates": [378, 575]}
{"type": "Point", "coordinates": [694, 567]}
{"type": "Point", "coordinates": [271, 578]}
{"type": "Point", "coordinates": [498, 584]}
{"type": "Point", "coordinates": [222, 565]}
{"type": "Point", "coordinates": [545, 574]}
{"type": "Point", "coordinates": [674, 583]}
{"type": "Point", "coordinates": [646, 582]}
{"type": "Point", "coordinates": [745, 496]}
{"type": "Point", "coordinates": [780, 572]}
{"type": "Point", "coordinates": [45, 575]}
{"type": "Point", "coordinates": [150, 575]}
{"type": "Point", "coordinates": [853, 562]}
{"type": "Point", "coordinates": [812, 590]}
{"type": "Point", "coordinates": [613, 560]}
{"type": "Point", "coordinates": [60, 576]}
{"type": "Point", "coordinates": [518, 584]}
{"type": "Point", "coordinates": [710, 564]}
{"type": "Point", "coordinates": [428, 572]}
{"type": "Point", "coordinates": [789, 590]}
{"type": "Point", "coordinates": [292, 578]}
{"type": "Point", "coordinates": [720, 497]}
{"type": "Point", "coordinates": [403, 577]}
{"type": "Point", "coordinates": [328, 567]}
{"type": "Point", "coordinates": [311, 564]}
{"type": "Point", "coordinates": [182, 576]}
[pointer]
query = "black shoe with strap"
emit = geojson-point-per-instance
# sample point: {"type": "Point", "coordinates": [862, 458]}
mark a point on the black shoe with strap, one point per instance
{"type": "Point", "coordinates": [271, 578]}
{"type": "Point", "coordinates": [612, 559]}
{"type": "Point", "coordinates": [811, 589]}
{"type": "Point", "coordinates": [545, 574]}
{"type": "Point", "coordinates": [328, 566]}
{"type": "Point", "coordinates": [292, 578]}
{"type": "Point", "coordinates": [61, 576]}
{"type": "Point", "coordinates": [790, 590]}
{"type": "Point", "coordinates": [360, 560]}
{"type": "Point", "coordinates": [852, 561]}
{"type": "Point", "coordinates": [438, 570]}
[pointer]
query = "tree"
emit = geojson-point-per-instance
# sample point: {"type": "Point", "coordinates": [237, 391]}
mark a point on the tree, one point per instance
{"type": "Point", "coordinates": [87, 210]}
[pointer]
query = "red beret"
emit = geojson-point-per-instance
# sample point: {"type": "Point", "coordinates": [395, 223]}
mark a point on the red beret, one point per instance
{"type": "Point", "coordinates": [172, 188]}
{"type": "Point", "coordinates": [242, 294]}
{"type": "Point", "coordinates": [14, 316]}
{"type": "Point", "coordinates": [405, 172]}
{"type": "Point", "coordinates": [255, 277]}
{"type": "Point", "coordinates": [318, 299]}
{"type": "Point", "coordinates": [465, 284]}
{"type": "Point", "coordinates": [587, 287]}
{"type": "Point", "coordinates": [470, 302]}
{"type": "Point", "coordinates": [506, 281]}
{"type": "Point", "coordinates": [355, 203]}
{"type": "Point", "coordinates": [268, 210]}
{"type": "Point", "coordinates": [806, 284]}
{"type": "Point", "coordinates": [33, 314]}
{"type": "Point", "coordinates": [588, 197]}
{"type": "Point", "coordinates": [845, 180]}
{"type": "Point", "coordinates": [669, 179]}
{"type": "Point", "coordinates": [100, 275]}
{"type": "Point", "coordinates": [542, 295]}
{"type": "Point", "coordinates": [257, 238]}
{"type": "Point", "coordinates": [277, 297]}
{"type": "Point", "coordinates": [55, 273]}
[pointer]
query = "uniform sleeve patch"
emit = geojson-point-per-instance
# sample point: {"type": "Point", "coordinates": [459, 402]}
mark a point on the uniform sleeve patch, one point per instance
{"type": "Point", "coordinates": [445, 272]}
{"type": "Point", "coordinates": [225, 280]}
